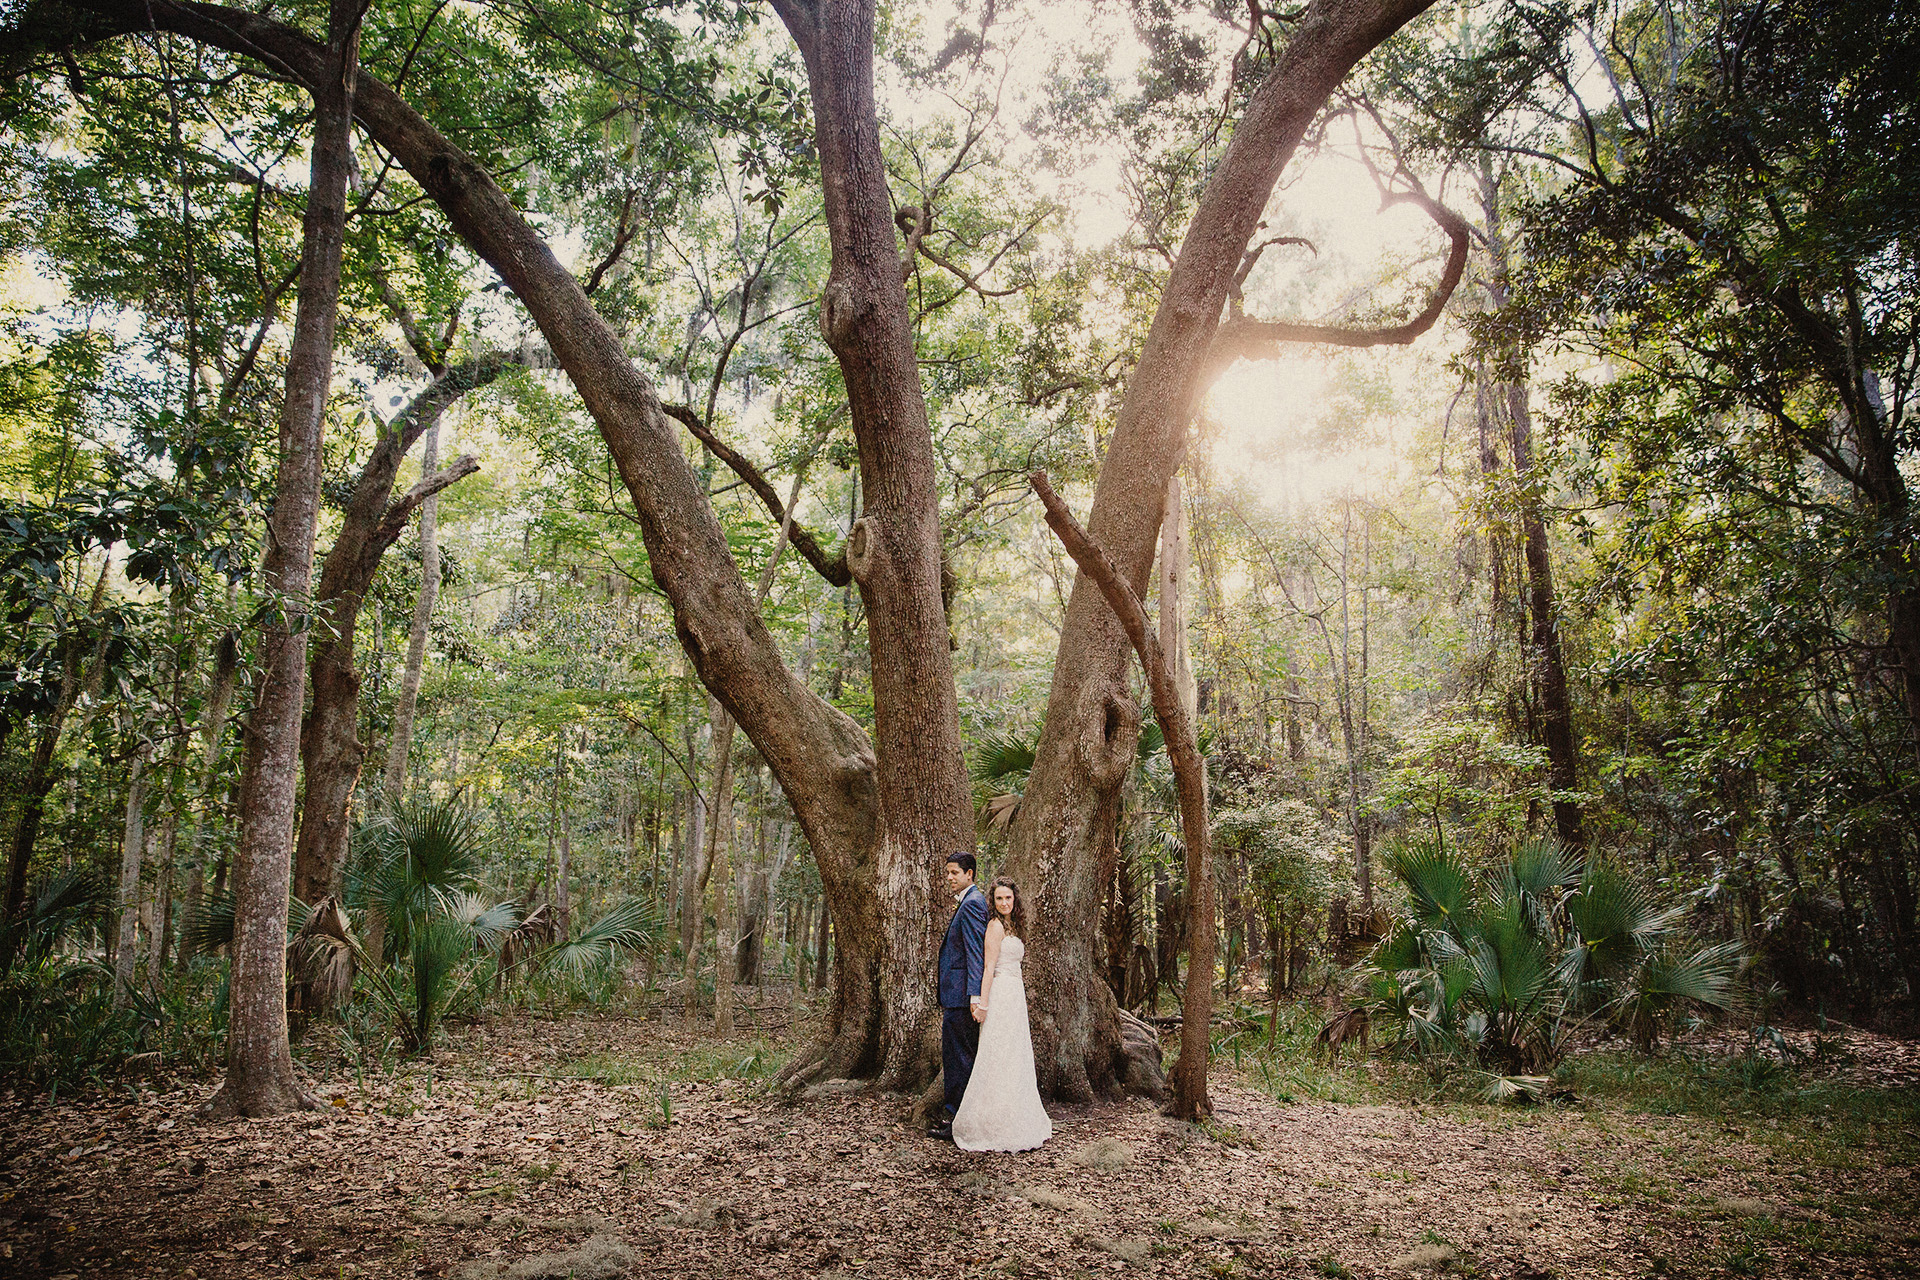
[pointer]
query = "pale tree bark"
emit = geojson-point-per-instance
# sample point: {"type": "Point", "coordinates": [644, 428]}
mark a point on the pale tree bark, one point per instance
{"type": "Point", "coordinates": [260, 1077]}
{"type": "Point", "coordinates": [133, 846]}
{"type": "Point", "coordinates": [1088, 735]}
{"type": "Point", "coordinates": [331, 751]}
{"type": "Point", "coordinates": [1190, 1098]}
{"type": "Point", "coordinates": [401, 742]}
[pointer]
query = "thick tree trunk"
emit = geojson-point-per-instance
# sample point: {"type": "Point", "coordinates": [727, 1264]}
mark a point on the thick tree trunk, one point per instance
{"type": "Point", "coordinates": [1090, 720]}
{"type": "Point", "coordinates": [260, 1079]}
{"type": "Point", "coordinates": [894, 549]}
{"type": "Point", "coordinates": [331, 751]}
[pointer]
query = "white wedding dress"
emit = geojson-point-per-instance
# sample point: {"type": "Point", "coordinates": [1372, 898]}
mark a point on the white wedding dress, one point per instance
{"type": "Point", "coordinates": [1001, 1110]}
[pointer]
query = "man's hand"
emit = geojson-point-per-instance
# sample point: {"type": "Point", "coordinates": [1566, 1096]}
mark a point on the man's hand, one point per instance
{"type": "Point", "coordinates": [979, 1012]}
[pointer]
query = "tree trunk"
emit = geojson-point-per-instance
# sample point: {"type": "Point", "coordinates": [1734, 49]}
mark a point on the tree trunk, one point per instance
{"type": "Point", "coordinates": [133, 846]}
{"type": "Point", "coordinates": [1190, 1098]}
{"type": "Point", "coordinates": [1546, 664]}
{"type": "Point", "coordinates": [1090, 720]}
{"type": "Point", "coordinates": [39, 781]}
{"type": "Point", "coordinates": [894, 549]}
{"type": "Point", "coordinates": [331, 751]}
{"type": "Point", "coordinates": [260, 1078]}
{"type": "Point", "coordinates": [726, 917]}
{"type": "Point", "coordinates": [401, 743]}
{"type": "Point", "coordinates": [823, 955]}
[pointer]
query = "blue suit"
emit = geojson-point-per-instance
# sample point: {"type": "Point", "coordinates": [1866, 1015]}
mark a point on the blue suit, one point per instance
{"type": "Point", "coordinates": [963, 960]}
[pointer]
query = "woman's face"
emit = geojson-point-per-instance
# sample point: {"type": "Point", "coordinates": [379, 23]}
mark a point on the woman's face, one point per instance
{"type": "Point", "coordinates": [1003, 900]}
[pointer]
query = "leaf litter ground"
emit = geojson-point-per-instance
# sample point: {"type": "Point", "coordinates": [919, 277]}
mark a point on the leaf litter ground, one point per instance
{"type": "Point", "coordinates": [589, 1147]}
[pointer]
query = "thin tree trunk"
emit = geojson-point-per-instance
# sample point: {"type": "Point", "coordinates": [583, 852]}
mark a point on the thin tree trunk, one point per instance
{"type": "Point", "coordinates": [39, 781]}
{"type": "Point", "coordinates": [1546, 662]}
{"type": "Point", "coordinates": [823, 958]}
{"type": "Point", "coordinates": [563, 864]}
{"type": "Point", "coordinates": [133, 847]}
{"type": "Point", "coordinates": [260, 1079]}
{"type": "Point", "coordinates": [408, 701]}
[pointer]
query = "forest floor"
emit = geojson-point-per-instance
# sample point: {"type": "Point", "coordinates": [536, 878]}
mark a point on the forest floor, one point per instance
{"type": "Point", "coordinates": [596, 1146]}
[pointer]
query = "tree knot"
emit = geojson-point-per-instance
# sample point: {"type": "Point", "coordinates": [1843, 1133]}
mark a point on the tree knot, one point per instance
{"type": "Point", "coordinates": [1109, 733]}
{"type": "Point", "coordinates": [862, 541]}
{"type": "Point", "coordinates": [838, 311]}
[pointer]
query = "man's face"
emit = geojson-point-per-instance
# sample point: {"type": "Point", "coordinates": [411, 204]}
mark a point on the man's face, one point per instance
{"type": "Point", "coordinates": [958, 878]}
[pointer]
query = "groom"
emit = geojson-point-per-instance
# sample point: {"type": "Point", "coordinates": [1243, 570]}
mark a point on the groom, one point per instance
{"type": "Point", "coordinates": [962, 958]}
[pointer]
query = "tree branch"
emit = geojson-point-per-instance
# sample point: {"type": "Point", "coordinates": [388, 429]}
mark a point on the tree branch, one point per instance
{"type": "Point", "coordinates": [395, 521]}
{"type": "Point", "coordinates": [623, 234]}
{"type": "Point", "coordinates": [832, 568]}
{"type": "Point", "coordinates": [1189, 779]}
{"type": "Point", "coordinates": [1242, 338]}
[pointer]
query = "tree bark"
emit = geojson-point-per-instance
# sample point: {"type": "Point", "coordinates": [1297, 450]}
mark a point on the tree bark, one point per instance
{"type": "Point", "coordinates": [133, 845]}
{"type": "Point", "coordinates": [39, 781]}
{"type": "Point", "coordinates": [1546, 662]}
{"type": "Point", "coordinates": [401, 742]}
{"type": "Point", "coordinates": [1090, 720]}
{"type": "Point", "coordinates": [894, 549]}
{"type": "Point", "coordinates": [331, 751]}
{"type": "Point", "coordinates": [260, 1079]}
{"type": "Point", "coordinates": [1190, 1099]}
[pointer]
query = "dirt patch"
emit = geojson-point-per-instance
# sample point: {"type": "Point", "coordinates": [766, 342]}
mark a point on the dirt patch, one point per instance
{"type": "Point", "coordinates": [544, 1148]}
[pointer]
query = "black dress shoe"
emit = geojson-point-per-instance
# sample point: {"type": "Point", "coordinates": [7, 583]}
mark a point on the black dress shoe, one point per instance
{"type": "Point", "coordinates": [941, 1129]}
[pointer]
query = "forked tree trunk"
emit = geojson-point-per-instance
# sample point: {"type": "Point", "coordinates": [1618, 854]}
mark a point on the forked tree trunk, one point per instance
{"type": "Point", "coordinates": [331, 751]}
{"type": "Point", "coordinates": [894, 549]}
{"type": "Point", "coordinates": [1090, 720]}
{"type": "Point", "coordinates": [260, 1078]}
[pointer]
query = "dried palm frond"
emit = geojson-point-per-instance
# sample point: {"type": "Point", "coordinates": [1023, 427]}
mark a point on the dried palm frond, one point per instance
{"type": "Point", "coordinates": [320, 963]}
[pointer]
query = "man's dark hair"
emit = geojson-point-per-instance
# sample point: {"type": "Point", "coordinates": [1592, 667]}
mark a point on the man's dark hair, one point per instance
{"type": "Point", "coordinates": [965, 861]}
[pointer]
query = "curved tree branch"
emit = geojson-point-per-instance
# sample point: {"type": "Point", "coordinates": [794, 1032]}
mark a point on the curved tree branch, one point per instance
{"type": "Point", "coordinates": [1243, 338]}
{"type": "Point", "coordinates": [831, 567]}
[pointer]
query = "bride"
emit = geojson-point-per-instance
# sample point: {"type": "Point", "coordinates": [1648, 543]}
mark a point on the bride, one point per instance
{"type": "Point", "coordinates": [1001, 1109]}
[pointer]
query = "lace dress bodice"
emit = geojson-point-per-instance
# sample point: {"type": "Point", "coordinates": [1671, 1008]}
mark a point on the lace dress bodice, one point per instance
{"type": "Point", "coordinates": [1012, 952]}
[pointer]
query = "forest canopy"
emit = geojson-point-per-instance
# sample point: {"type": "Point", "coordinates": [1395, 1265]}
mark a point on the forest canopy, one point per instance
{"type": "Point", "coordinates": [532, 495]}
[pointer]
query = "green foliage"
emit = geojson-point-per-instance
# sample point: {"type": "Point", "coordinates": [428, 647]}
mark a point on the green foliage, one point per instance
{"type": "Point", "coordinates": [1498, 967]}
{"type": "Point", "coordinates": [418, 865]}
{"type": "Point", "coordinates": [636, 925]}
